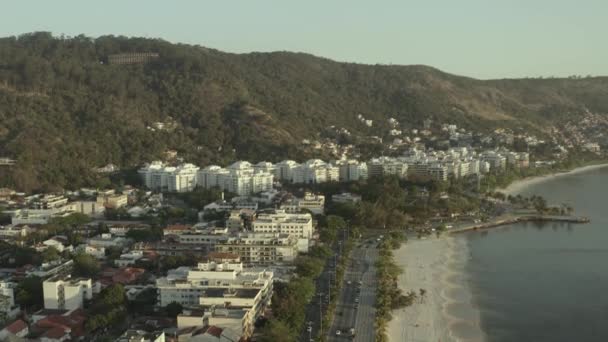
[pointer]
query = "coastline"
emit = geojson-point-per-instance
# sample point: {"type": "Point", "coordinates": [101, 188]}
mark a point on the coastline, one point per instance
{"type": "Point", "coordinates": [519, 185]}
{"type": "Point", "coordinates": [447, 312]}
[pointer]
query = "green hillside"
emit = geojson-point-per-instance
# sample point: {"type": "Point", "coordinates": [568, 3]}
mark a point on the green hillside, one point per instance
{"type": "Point", "coordinates": [64, 109]}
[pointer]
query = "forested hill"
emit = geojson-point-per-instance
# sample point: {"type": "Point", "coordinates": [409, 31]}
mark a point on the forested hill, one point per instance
{"type": "Point", "coordinates": [64, 109]}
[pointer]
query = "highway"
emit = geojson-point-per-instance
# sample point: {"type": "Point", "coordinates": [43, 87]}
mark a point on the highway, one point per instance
{"type": "Point", "coordinates": [350, 314]}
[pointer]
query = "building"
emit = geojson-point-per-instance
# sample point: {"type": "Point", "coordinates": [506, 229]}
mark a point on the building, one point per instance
{"type": "Point", "coordinates": [183, 178]}
{"type": "Point", "coordinates": [384, 166]}
{"type": "Point", "coordinates": [107, 240]}
{"type": "Point", "coordinates": [300, 225]}
{"type": "Point", "coordinates": [112, 200]}
{"type": "Point", "coordinates": [346, 197]}
{"type": "Point", "coordinates": [15, 231]}
{"type": "Point", "coordinates": [51, 269]}
{"type": "Point", "coordinates": [8, 309]}
{"type": "Point", "coordinates": [261, 248]}
{"type": "Point", "coordinates": [315, 203]}
{"type": "Point", "coordinates": [240, 178]}
{"type": "Point", "coordinates": [16, 329]}
{"type": "Point", "coordinates": [284, 170]}
{"type": "Point", "coordinates": [214, 285]}
{"type": "Point", "coordinates": [121, 229]}
{"type": "Point", "coordinates": [132, 335]}
{"type": "Point", "coordinates": [128, 259]}
{"type": "Point", "coordinates": [65, 293]}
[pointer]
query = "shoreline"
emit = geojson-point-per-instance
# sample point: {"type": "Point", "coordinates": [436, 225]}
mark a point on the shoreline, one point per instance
{"type": "Point", "coordinates": [519, 185]}
{"type": "Point", "coordinates": [447, 312]}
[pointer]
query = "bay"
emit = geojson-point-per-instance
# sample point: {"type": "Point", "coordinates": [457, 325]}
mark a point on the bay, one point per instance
{"type": "Point", "coordinates": [546, 282]}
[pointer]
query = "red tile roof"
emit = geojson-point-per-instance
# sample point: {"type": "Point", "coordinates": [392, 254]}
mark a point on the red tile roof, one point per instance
{"type": "Point", "coordinates": [55, 333]}
{"type": "Point", "coordinates": [16, 327]}
{"type": "Point", "coordinates": [215, 331]}
{"type": "Point", "coordinates": [127, 275]}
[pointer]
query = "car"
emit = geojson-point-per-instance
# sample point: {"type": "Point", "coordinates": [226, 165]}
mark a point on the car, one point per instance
{"type": "Point", "coordinates": [360, 282]}
{"type": "Point", "coordinates": [309, 329]}
{"type": "Point", "coordinates": [357, 300]}
{"type": "Point", "coordinates": [338, 333]}
{"type": "Point", "coordinates": [349, 282]}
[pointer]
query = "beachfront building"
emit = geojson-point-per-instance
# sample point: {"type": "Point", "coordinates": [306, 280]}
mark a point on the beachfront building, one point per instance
{"type": "Point", "coordinates": [279, 221]}
{"type": "Point", "coordinates": [261, 248]}
{"type": "Point", "coordinates": [222, 283]}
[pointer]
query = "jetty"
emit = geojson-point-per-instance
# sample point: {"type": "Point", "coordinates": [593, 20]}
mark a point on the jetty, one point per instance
{"type": "Point", "coordinates": [511, 219]}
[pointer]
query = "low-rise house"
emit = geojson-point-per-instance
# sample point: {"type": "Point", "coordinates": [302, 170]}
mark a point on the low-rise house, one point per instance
{"type": "Point", "coordinates": [107, 240]}
{"type": "Point", "coordinates": [346, 197]}
{"type": "Point", "coordinates": [17, 328]}
{"type": "Point", "coordinates": [132, 335]}
{"type": "Point", "coordinates": [128, 259]}
{"type": "Point", "coordinates": [59, 242]}
{"type": "Point", "coordinates": [15, 231]}
{"type": "Point", "coordinates": [59, 325]}
{"type": "Point", "coordinates": [96, 252]}
{"type": "Point", "coordinates": [121, 229]}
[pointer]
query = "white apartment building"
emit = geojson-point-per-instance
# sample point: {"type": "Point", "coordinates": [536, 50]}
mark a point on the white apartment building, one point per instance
{"type": "Point", "coordinates": [496, 160]}
{"type": "Point", "coordinates": [219, 284]}
{"type": "Point", "coordinates": [299, 225]}
{"type": "Point", "coordinates": [351, 170]}
{"type": "Point", "coordinates": [240, 178]}
{"type": "Point", "coordinates": [284, 171]}
{"type": "Point", "coordinates": [158, 176]}
{"type": "Point", "coordinates": [210, 176]}
{"type": "Point", "coordinates": [315, 171]}
{"type": "Point", "coordinates": [155, 175]}
{"type": "Point", "coordinates": [183, 178]}
{"type": "Point", "coordinates": [387, 166]}
{"type": "Point", "coordinates": [261, 248]}
{"type": "Point", "coordinates": [65, 293]}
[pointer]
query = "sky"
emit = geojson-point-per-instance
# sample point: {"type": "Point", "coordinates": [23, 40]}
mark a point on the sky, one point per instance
{"type": "Point", "coordinates": [484, 39]}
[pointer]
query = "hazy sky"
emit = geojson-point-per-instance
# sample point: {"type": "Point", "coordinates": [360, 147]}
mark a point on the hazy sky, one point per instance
{"type": "Point", "coordinates": [478, 38]}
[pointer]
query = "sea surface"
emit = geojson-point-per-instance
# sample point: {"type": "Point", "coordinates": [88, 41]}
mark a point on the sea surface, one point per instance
{"type": "Point", "coordinates": [546, 282]}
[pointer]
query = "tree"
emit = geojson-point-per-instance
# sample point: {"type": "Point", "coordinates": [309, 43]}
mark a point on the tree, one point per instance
{"type": "Point", "coordinates": [85, 265]}
{"type": "Point", "coordinates": [277, 330]}
{"type": "Point", "coordinates": [50, 254]}
{"type": "Point", "coordinates": [173, 309]}
{"type": "Point", "coordinates": [309, 267]}
{"type": "Point", "coordinates": [29, 292]}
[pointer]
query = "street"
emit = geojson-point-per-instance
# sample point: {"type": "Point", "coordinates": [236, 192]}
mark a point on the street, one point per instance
{"type": "Point", "coordinates": [356, 304]}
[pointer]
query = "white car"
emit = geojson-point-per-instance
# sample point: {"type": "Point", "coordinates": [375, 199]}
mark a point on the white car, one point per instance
{"type": "Point", "coordinates": [309, 329]}
{"type": "Point", "coordinates": [338, 332]}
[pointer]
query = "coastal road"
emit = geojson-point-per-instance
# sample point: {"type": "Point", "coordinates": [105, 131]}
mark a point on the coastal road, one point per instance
{"type": "Point", "coordinates": [349, 313]}
{"type": "Point", "coordinates": [318, 305]}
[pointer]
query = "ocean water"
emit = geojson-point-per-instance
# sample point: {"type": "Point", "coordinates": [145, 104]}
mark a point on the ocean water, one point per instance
{"type": "Point", "coordinates": [548, 282]}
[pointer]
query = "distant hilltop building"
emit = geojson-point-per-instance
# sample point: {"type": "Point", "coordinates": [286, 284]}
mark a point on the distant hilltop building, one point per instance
{"type": "Point", "coordinates": [132, 58]}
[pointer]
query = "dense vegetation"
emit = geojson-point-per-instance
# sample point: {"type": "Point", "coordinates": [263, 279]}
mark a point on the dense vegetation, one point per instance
{"type": "Point", "coordinates": [65, 110]}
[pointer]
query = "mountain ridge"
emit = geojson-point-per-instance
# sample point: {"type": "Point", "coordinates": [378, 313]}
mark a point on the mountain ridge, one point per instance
{"type": "Point", "coordinates": [64, 110]}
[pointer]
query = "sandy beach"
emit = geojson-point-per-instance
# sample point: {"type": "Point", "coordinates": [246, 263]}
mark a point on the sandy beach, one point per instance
{"type": "Point", "coordinates": [447, 312]}
{"type": "Point", "coordinates": [518, 186]}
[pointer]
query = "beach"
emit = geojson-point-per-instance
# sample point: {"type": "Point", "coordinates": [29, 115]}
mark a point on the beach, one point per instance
{"type": "Point", "coordinates": [520, 185]}
{"type": "Point", "coordinates": [446, 312]}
